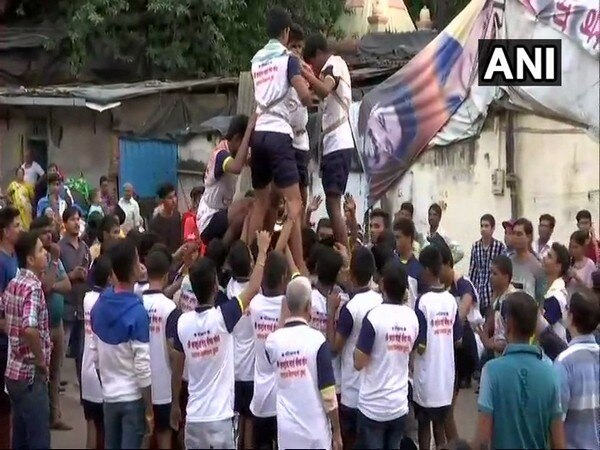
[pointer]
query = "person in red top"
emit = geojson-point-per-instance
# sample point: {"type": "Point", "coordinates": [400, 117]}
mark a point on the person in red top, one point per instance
{"type": "Point", "coordinates": [190, 224]}
{"type": "Point", "coordinates": [584, 223]}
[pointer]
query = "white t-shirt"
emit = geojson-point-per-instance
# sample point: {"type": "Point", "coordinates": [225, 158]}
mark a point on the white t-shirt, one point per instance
{"type": "Point", "coordinates": [439, 329]}
{"type": "Point", "coordinates": [205, 338]}
{"type": "Point", "coordinates": [91, 389]}
{"type": "Point", "coordinates": [341, 137]}
{"type": "Point", "coordinates": [388, 335]}
{"type": "Point", "coordinates": [349, 324]}
{"type": "Point", "coordinates": [243, 337]}
{"type": "Point", "coordinates": [159, 309]}
{"type": "Point", "coordinates": [187, 298]}
{"type": "Point", "coordinates": [301, 359]}
{"type": "Point", "coordinates": [32, 173]}
{"type": "Point", "coordinates": [265, 313]}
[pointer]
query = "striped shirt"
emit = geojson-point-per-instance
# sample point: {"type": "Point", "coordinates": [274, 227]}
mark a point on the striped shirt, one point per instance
{"type": "Point", "coordinates": [479, 268]}
{"type": "Point", "coordinates": [578, 368]}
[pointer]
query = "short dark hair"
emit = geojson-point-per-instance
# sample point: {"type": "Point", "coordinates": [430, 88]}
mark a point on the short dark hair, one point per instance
{"type": "Point", "coordinates": [278, 19]}
{"type": "Point", "coordinates": [160, 247]}
{"type": "Point", "coordinates": [216, 250]}
{"type": "Point", "coordinates": [53, 178]}
{"type": "Point", "coordinates": [583, 214]}
{"type": "Point", "coordinates": [548, 218]}
{"type": "Point", "coordinates": [314, 43]}
{"type": "Point", "coordinates": [275, 270]}
{"type": "Point", "coordinates": [395, 281]}
{"type": "Point", "coordinates": [164, 190]}
{"type": "Point", "coordinates": [309, 240]}
{"type": "Point", "coordinates": [378, 212]}
{"type": "Point", "coordinates": [325, 222]}
{"type": "Point", "coordinates": [102, 271]}
{"type": "Point", "coordinates": [25, 246]}
{"type": "Point", "coordinates": [108, 223]}
{"type": "Point", "coordinates": [435, 208]}
{"type": "Point", "coordinates": [523, 309]}
{"type": "Point", "coordinates": [562, 257]}
{"type": "Point", "coordinates": [147, 243]}
{"type": "Point", "coordinates": [203, 278]}
{"type": "Point", "coordinates": [240, 260]}
{"type": "Point", "coordinates": [119, 213]}
{"type": "Point", "coordinates": [408, 206]}
{"type": "Point", "coordinates": [526, 224]}
{"type": "Point", "coordinates": [580, 237]}
{"type": "Point", "coordinates": [103, 179]}
{"type": "Point", "coordinates": [196, 192]}
{"type": "Point", "coordinates": [585, 309]}
{"type": "Point", "coordinates": [296, 33]}
{"type": "Point", "coordinates": [7, 217]}
{"type": "Point", "coordinates": [382, 253]}
{"type": "Point", "coordinates": [362, 265]}
{"type": "Point", "coordinates": [447, 258]}
{"type": "Point", "coordinates": [329, 264]}
{"type": "Point", "coordinates": [489, 219]}
{"type": "Point", "coordinates": [237, 127]}
{"type": "Point", "coordinates": [314, 255]}
{"type": "Point", "coordinates": [406, 227]}
{"type": "Point", "coordinates": [157, 264]}
{"type": "Point", "coordinates": [40, 222]}
{"type": "Point", "coordinates": [69, 212]}
{"type": "Point", "coordinates": [504, 265]}
{"type": "Point", "coordinates": [123, 255]}
{"type": "Point", "coordinates": [431, 259]}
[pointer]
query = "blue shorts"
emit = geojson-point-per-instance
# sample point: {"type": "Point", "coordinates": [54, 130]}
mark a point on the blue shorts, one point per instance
{"type": "Point", "coordinates": [273, 159]}
{"type": "Point", "coordinates": [302, 158]}
{"type": "Point", "coordinates": [216, 228]}
{"type": "Point", "coordinates": [335, 168]}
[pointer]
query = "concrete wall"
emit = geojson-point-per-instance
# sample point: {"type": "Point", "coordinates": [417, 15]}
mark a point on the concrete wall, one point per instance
{"type": "Point", "coordinates": [195, 150]}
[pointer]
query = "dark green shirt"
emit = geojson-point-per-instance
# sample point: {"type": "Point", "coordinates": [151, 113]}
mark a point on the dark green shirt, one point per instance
{"type": "Point", "coordinates": [520, 390]}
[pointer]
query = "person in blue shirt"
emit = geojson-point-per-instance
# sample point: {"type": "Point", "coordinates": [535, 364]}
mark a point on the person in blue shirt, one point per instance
{"type": "Point", "coordinates": [519, 398]}
{"type": "Point", "coordinates": [10, 227]}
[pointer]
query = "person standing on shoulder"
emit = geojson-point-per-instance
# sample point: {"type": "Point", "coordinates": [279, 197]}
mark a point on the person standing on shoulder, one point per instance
{"type": "Point", "coordinates": [519, 396]}
{"type": "Point", "coordinates": [24, 307]}
{"type": "Point", "coordinates": [121, 351]}
{"type": "Point", "coordinates": [304, 376]}
{"type": "Point", "coordinates": [204, 343]}
{"type": "Point", "coordinates": [334, 87]}
{"type": "Point", "coordinates": [578, 372]}
{"type": "Point", "coordinates": [276, 73]}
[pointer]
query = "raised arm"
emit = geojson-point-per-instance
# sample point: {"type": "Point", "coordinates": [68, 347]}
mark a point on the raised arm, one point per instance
{"type": "Point", "coordinates": [263, 240]}
{"type": "Point", "coordinates": [235, 165]}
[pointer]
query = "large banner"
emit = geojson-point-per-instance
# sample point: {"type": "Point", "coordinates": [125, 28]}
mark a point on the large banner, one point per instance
{"type": "Point", "coordinates": [401, 116]}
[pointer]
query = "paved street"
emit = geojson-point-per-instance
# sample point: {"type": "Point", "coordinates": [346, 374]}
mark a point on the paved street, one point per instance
{"type": "Point", "coordinates": [73, 414]}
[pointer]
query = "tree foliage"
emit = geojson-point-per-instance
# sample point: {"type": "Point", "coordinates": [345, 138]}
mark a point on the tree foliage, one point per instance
{"type": "Point", "coordinates": [177, 38]}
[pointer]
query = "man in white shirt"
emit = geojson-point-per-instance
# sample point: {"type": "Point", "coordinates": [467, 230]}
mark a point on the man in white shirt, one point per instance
{"type": "Point", "coordinates": [345, 336]}
{"type": "Point", "coordinates": [204, 340]}
{"type": "Point", "coordinates": [131, 208]}
{"type": "Point", "coordinates": [162, 314]}
{"type": "Point", "coordinates": [33, 171]}
{"type": "Point", "coordinates": [434, 370]}
{"type": "Point", "coordinates": [543, 244]}
{"type": "Point", "coordinates": [307, 409]}
{"type": "Point", "coordinates": [276, 74]}
{"type": "Point", "coordinates": [334, 87]}
{"type": "Point", "coordinates": [386, 339]}
{"type": "Point", "coordinates": [265, 314]}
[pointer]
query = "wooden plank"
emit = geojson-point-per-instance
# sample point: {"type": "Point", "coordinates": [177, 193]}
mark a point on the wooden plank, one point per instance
{"type": "Point", "coordinates": [245, 105]}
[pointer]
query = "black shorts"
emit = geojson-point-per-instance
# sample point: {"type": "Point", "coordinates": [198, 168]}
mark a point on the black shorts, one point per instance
{"type": "Point", "coordinates": [162, 417]}
{"type": "Point", "coordinates": [216, 228]}
{"type": "Point", "coordinates": [335, 169]}
{"type": "Point", "coordinates": [93, 411]}
{"type": "Point", "coordinates": [244, 390]}
{"type": "Point", "coordinates": [348, 420]}
{"type": "Point", "coordinates": [302, 158]}
{"type": "Point", "coordinates": [423, 414]}
{"type": "Point", "coordinates": [273, 159]}
{"type": "Point", "coordinates": [265, 432]}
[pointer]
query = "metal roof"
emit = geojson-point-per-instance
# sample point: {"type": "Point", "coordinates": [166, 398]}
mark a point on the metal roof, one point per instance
{"type": "Point", "coordinates": [82, 95]}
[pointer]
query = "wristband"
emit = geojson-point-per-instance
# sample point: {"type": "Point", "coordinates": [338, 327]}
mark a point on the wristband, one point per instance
{"type": "Point", "coordinates": [295, 275]}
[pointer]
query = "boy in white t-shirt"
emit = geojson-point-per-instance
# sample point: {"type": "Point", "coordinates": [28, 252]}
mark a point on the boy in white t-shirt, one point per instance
{"type": "Point", "coordinates": [204, 340]}
{"type": "Point", "coordinates": [91, 389]}
{"type": "Point", "coordinates": [163, 316]}
{"type": "Point", "coordinates": [434, 367]}
{"type": "Point", "coordinates": [386, 339]}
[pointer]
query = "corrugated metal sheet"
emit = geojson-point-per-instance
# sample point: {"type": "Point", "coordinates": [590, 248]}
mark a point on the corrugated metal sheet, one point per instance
{"type": "Point", "coordinates": [146, 164]}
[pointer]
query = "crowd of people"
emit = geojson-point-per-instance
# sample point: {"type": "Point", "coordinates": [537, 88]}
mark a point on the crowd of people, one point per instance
{"type": "Point", "coordinates": [238, 325]}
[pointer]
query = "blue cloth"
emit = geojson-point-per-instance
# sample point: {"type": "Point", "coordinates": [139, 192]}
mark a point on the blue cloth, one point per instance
{"type": "Point", "coordinates": [9, 266]}
{"type": "Point", "coordinates": [520, 390]}
{"type": "Point", "coordinates": [119, 317]}
{"type": "Point", "coordinates": [578, 370]}
{"type": "Point", "coordinates": [414, 269]}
